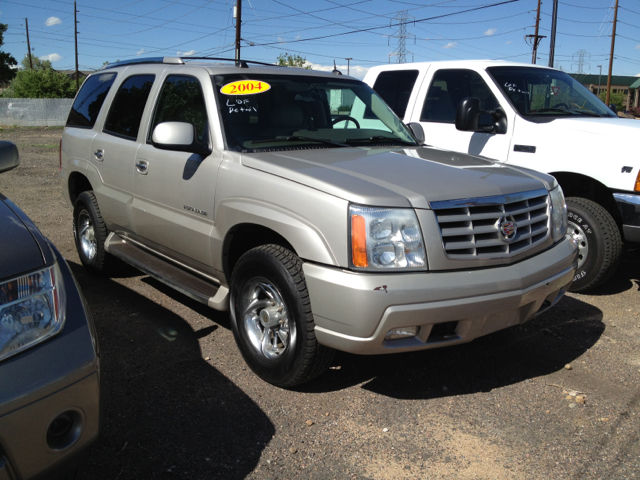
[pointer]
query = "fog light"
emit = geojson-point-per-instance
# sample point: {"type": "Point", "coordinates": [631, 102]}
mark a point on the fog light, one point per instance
{"type": "Point", "coordinates": [402, 332]}
{"type": "Point", "coordinates": [60, 426]}
{"type": "Point", "coordinates": [64, 430]}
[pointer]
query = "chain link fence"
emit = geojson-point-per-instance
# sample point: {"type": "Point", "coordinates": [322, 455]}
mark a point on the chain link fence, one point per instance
{"type": "Point", "coordinates": [35, 112]}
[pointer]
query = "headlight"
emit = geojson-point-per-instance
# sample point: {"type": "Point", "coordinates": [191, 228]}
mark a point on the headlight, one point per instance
{"type": "Point", "coordinates": [31, 310]}
{"type": "Point", "coordinates": [558, 214]}
{"type": "Point", "coordinates": [386, 238]}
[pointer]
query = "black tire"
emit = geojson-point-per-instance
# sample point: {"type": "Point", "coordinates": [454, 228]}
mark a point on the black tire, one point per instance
{"type": "Point", "coordinates": [266, 279]}
{"type": "Point", "coordinates": [90, 233]}
{"type": "Point", "coordinates": [599, 243]}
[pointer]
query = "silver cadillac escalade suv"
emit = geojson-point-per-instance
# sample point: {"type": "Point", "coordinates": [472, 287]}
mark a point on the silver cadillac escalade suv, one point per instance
{"type": "Point", "coordinates": [299, 202]}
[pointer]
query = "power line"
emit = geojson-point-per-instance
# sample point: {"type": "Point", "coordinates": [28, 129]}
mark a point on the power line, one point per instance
{"type": "Point", "coordinates": [361, 30]}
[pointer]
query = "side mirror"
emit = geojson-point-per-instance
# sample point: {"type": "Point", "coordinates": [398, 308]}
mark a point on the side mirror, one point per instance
{"type": "Point", "coordinates": [178, 136]}
{"type": "Point", "coordinates": [613, 108]}
{"type": "Point", "coordinates": [469, 113]}
{"type": "Point", "coordinates": [9, 157]}
{"type": "Point", "coordinates": [417, 131]}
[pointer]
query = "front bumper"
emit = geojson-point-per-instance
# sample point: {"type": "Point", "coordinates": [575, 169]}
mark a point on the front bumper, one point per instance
{"type": "Point", "coordinates": [629, 206]}
{"type": "Point", "coordinates": [58, 376]}
{"type": "Point", "coordinates": [353, 312]}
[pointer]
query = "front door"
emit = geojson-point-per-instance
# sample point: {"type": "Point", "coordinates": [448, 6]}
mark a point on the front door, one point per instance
{"type": "Point", "coordinates": [174, 191]}
{"type": "Point", "coordinates": [436, 112]}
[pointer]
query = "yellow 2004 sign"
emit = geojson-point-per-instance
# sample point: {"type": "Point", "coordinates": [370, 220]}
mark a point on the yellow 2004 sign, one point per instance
{"type": "Point", "coordinates": [245, 87]}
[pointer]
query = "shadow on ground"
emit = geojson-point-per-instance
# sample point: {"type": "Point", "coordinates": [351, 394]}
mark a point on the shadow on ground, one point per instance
{"type": "Point", "coordinates": [627, 275]}
{"type": "Point", "coordinates": [167, 412]}
{"type": "Point", "coordinates": [542, 346]}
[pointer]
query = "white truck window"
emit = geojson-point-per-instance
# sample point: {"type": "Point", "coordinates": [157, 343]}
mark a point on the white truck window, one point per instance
{"type": "Point", "coordinates": [448, 88]}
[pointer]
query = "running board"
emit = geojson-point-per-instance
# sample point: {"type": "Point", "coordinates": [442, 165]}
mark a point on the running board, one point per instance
{"type": "Point", "coordinates": [190, 284]}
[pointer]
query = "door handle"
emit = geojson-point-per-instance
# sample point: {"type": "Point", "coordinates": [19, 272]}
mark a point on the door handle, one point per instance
{"type": "Point", "coordinates": [99, 154]}
{"type": "Point", "coordinates": [142, 167]}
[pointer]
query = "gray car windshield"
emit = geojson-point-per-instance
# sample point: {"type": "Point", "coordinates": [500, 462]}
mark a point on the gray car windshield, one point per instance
{"type": "Point", "coordinates": [545, 92]}
{"type": "Point", "coordinates": [270, 112]}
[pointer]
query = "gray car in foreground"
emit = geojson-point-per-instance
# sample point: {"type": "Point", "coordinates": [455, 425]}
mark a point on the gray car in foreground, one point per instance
{"type": "Point", "coordinates": [301, 203]}
{"type": "Point", "coordinates": [49, 368]}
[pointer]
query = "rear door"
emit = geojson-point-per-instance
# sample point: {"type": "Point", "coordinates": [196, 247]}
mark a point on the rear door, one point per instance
{"type": "Point", "coordinates": [114, 149]}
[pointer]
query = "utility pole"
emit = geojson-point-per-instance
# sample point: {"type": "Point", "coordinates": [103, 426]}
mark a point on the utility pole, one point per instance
{"type": "Point", "coordinates": [238, 15]}
{"type": "Point", "coordinates": [348, 62]}
{"type": "Point", "coordinates": [613, 42]}
{"type": "Point", "coordinates": [28, 44]}
{"type": "Point", "coordinates": [75, 36]}
{"type": "Point", "coordinates": [536, 38]}
{"type": "Point", "coordinates": [599, 75]}
{"type": "Point", "coordinates": [552, 42]}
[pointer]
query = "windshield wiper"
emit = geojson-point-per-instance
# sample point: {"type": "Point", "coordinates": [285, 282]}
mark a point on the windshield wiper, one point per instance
{"type": "Point", "coordinates": [296, 138]}
{"type": "Point", "coordinates": [572, 111]}
{"type": "Point", "coordinates": [549, 110]}
{"type": "Point", "coordinates": [586, 112]}
{"type": "Point", "coordinates": [380, 138]}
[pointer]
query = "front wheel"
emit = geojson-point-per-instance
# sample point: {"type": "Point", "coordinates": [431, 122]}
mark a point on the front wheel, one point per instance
{"type": "Point", "coordinates": [272, 320]}
{"type": "Point", "coordinates": [599, 243]}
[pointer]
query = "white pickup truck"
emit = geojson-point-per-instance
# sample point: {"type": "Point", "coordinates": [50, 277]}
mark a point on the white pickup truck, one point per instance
{"type": "Point", "coordinates": [538, 118]}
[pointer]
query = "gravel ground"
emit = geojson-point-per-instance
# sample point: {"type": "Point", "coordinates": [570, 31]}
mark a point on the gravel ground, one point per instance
{"type": "Point", "coordinates": [558, 397]}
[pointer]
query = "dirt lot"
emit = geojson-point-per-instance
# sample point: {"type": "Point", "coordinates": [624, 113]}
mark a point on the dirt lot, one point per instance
{"type": "Point", "coordinates": [179, 401]}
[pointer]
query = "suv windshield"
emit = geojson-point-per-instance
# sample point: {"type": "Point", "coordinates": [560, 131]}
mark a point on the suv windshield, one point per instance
{"type": "Point", "coordinates": [537, 91]}
{"type": "Point", "coordinates": [289, 111]}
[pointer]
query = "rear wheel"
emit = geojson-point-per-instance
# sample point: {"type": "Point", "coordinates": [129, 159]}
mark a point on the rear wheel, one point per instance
{"type": "Point", "coordinates": [90, 233]}
{"type": "Point", "coordinates": [272, 320]}
{"type": "Point", "coordinates": [599, 243]}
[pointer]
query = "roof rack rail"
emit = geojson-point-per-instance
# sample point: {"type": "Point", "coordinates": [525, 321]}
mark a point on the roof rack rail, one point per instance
{"type": "Point", "coordinates": [180, 61]}
{"type": "Point", "coordinates": [239, 63]}
{"type": "Point", "coordinates": [136, 61]}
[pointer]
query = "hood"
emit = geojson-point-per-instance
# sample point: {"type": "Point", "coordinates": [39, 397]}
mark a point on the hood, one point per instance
{"type": "Point", "coordinates": [410, 177]}
{"type": "Point", "coordinates": [606, 127]}
{"type": "Point", "coordinates": [19, 250]}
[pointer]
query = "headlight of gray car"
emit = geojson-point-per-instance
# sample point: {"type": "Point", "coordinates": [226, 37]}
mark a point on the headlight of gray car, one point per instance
{"type": "Point", "coordinates": [31, 310]}
{"type": "Point", "coordinates": [558, 214]}
{"type": "Point", "coordinates": [386, 239]}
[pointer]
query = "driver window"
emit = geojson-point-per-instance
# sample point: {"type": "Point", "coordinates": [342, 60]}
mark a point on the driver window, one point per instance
{"type": "Point", "coordinates": [448, 88]}
{"type": "Point", "coordinates": [181, 100]}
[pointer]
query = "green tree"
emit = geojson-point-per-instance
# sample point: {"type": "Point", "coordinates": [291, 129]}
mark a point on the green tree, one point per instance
{"type": "Point", "coordinates": [286, 60]}
{"type": "Point", "coordinates": [618, 99]}
{"type": "Point", "coordinates": [45, 83]}
{"type": "Point", "coordinates": [38, 64]}
{"type": "Point", "coordinates": [6, 60]}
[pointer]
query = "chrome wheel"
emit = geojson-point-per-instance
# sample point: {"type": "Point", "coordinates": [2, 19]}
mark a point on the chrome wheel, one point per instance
{"type": "Point", "coordinates": [86, 235]}
{"type": "Point", "coordinates": [265, 318]}
{"type": "Point", "coordinates": [577, 233]}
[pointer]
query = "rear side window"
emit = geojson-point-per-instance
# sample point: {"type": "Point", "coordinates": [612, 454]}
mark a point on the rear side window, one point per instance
{"type": "Point", "coordinates": [127, 107]}
{"type": "Point", "coordinates": [181, 100]}
{"type": "Point", "coordinates": [395, 89]}
{"type": "Point", "coordinates": [88, 103]}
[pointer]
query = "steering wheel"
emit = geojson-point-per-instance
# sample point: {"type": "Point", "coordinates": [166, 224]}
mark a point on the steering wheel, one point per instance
{"type": "Point", "coordinates": [561, 105]}
{"type": "Point", "coordinates": [346, 118]}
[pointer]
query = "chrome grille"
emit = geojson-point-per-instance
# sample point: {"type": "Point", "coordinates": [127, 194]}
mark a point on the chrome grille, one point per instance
{"type": "Point", "coordinates": [470, 227]}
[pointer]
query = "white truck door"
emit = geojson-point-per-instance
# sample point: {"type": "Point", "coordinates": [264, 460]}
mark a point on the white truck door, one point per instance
{"type": "Point", "coordinates": [435, 109]}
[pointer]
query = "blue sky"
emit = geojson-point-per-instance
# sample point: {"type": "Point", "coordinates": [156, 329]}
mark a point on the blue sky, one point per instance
{"type": "Point", "coordinates": [325, 30]}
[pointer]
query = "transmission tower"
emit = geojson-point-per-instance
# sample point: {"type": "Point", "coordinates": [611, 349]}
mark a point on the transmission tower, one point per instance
{"type": "Point", "coordinates": [579, 58]}
{"type": "Point", "coordinates": [401, 20]}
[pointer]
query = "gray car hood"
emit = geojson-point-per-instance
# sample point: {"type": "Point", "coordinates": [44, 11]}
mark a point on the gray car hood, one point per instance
{"type": "Point", "coordinates": [19, 250]}
{"type": "Point", "coordinates": [410, 177]}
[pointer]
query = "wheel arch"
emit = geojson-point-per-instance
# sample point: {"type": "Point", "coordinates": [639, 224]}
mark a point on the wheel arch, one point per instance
{"type": "Point", "coordinates": [77, 184]}
{"type": "Point", "coordinates": [578, 185]}
{"type": "Point", "coordinates": [245, 236]}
